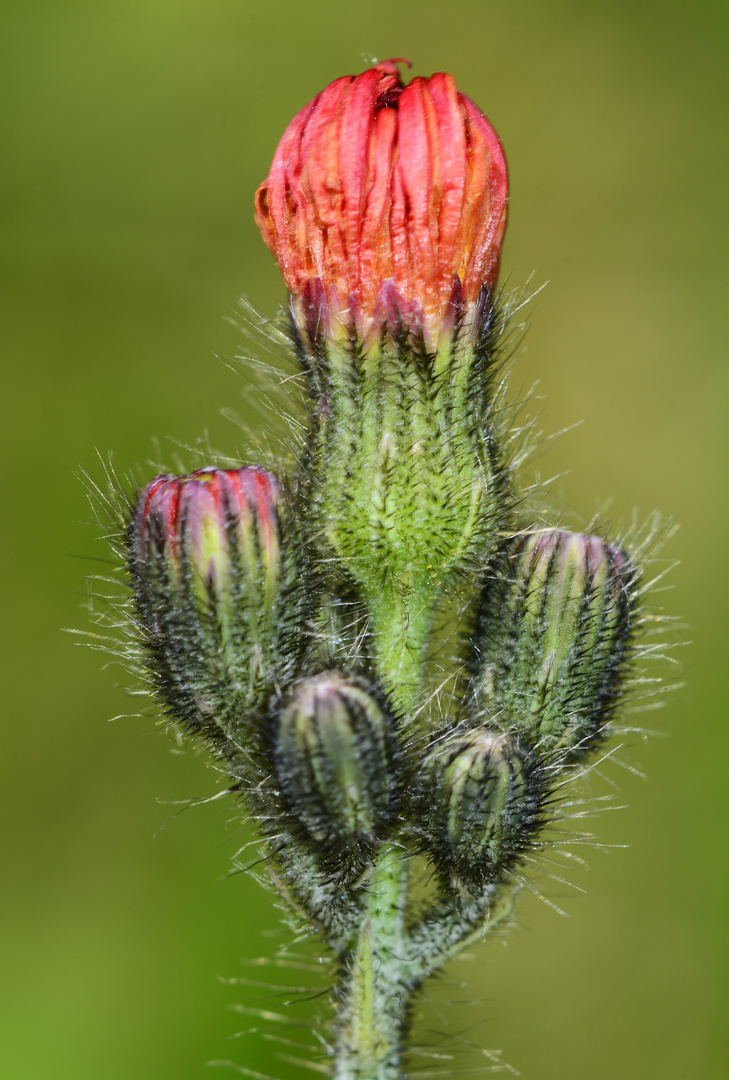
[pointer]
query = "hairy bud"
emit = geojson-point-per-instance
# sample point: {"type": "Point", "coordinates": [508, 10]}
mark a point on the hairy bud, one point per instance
{"type": "Point", "coordinates": [479, 801]}
{"type": "Point", "coordinates": [551, 649]}
{"type": "Point", "coordinates": [385, 207]}
{"type": "Point", "coordinates": [220, 591]}
{"type": "Point", "coordinates": [337, 760]}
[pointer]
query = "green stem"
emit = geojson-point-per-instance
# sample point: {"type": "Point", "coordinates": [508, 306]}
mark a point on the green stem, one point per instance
{"type": "Point", "coordinates": [390, 961]}
{"type": "Point", "coordinates": [375, 990]}
{"type": "Point", "coordinates": [401, 631]}
{"type": "Point", "coordinates": [455, 921]}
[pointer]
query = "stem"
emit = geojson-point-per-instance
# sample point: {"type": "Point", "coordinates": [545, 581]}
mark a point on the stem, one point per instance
{"type": "Point", "coordinates": [391, 960]}
{"type": "Point", "coordinates": [388, 960]}
{"type": "Point", "coordinates": [455, 921]}
{"type": "Point", "coordinates": [376, 983]}
{"type": "Point", "coordinates": [401, 632]}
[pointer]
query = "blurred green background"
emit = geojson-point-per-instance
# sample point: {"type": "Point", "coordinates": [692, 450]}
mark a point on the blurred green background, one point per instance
{"type": "Point", "coordinates": [135, 134]}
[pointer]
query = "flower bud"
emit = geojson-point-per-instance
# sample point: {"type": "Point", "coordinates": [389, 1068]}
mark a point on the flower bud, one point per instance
{"type": "Point", "coordinates": [552, 640]}
{"type": "Point", "coordinates": [219, 590]}
{"type": "Point", "coordinates": [386, 205]}
{"type": "Point", "coordinates": [480, 799]}
{"type": "Point", "coordinates": [337, 759]}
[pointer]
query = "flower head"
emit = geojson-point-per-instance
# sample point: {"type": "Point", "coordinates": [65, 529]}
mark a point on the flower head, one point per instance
{"type": "Point", "coordinates": [208, 522]}
{"type": "Point", "coordinates": [220, 593]}
{"type": "Point", "coordinates": [480, 798]}
{"type": "Point", "coordinates": [386, 202]}
{"type": "Point", "coordinates": [552, 647]}
{"type": "Point", "coordinates": [337, 762]}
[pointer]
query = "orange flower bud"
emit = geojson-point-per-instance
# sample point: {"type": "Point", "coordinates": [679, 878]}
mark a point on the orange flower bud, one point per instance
{"type": "Point", "coordinates": [386, 204]}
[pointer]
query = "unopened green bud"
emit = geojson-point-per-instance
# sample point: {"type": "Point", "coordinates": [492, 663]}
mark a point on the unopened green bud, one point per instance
{"type": "Point", "coordinates": [220, 592]}
{"type": "Point", "coordinates": [480, 797]}
{"type": "Point", "coordinates": [337, 759]}
{"type": "Point", "coordinates": [551, 649]}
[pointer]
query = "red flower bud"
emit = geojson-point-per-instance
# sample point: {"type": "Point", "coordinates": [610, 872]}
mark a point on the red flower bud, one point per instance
{"type": "Point", "coordinates": [195, 518]}
{"type": "Point", "coordinates": [220, 589]}
{"type": "Point", "coordinates": [385, 196]}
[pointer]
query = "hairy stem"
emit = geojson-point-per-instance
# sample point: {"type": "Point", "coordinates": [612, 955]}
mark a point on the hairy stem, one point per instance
{"type": "Point", "coordinates": [376, 983]}
{"type": "Point", "coordinates": [455, 921]}
{"type": "Point", "coordinates": [400, 632]}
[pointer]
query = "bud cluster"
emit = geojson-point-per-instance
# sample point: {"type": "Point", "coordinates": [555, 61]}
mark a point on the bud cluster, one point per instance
{"type": "Point", "coordinates": [385, 207]}
{"type": "Point", "coordinates": [223, 595]}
